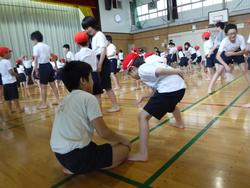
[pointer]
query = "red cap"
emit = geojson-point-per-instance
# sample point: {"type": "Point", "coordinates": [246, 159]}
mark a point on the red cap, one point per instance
{"type": "Point", "coordinates": [81, 37]}
{"type": "Point", "coordinates": [135, 49]}
{"type": "Point", "coordinates": [197, 47]}
{"type": "Point", "coordinates": [19, 61]}
{"type": "Point", "coordinates": [206, 35]}
{"type": "Point", "coordinates": [4, 51]}
{"type": "Point", "coordinates": [149, 53]}
{"type": "Point", "coordinates": [179, 47]}
{"type": "Point", "coordinates": [128, 60]}
{"type": "Point", "coordinates": [53, 57]}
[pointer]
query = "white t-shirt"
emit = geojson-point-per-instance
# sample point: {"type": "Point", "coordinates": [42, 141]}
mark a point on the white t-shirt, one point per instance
{"type": "Point", "coordinates": [180, 54]}
{"type": "Point", "coordinates": [198, 53]}
{"type": "Point", "coordinates": [27, 64]}
{"type": "Point", "coordinates": [88, 56]}
{"type": "Point", "coordinates": [207, 46]}
{"type": "Point", "coordinates": [248, 40]}
{"type": "Point", "coordinates": [226, 45]}
{"type": "Point", "coordinates": [191, 50]}
{"type": "Point", "coordinates": [5, 66]}
{"type": "Point", "coordinates": [42, 52]}
{"type": "Point", "coordinates": [70, 56]}
{"type": "Point", "coordinates": [99, 41]}
{"type": "Point", "coordinates": [172, 50]}
{"type": "Point", "coordinates": [154, 58]}
{"type": "Point", "coordinates": [71, 127]}
{"type": "Point", "coordinates": [53, 64]}
{"type": "Point", "coordinates": [60, 64]}
{"type": "Point", "coordinates": [111, 49]}
{"type": "Point", "coordinates": [163, 84]}
{"type": "Point", "coordinates": [121, 56]}
{"type": "Point", "coordinates": [20, 69]}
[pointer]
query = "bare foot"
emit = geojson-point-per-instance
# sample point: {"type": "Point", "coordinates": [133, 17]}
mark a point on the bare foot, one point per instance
{"type": "Point", "coordinates": [179, 125]}
{"type": "Point", "coordinates": [210, 91]}
{"type": "Point", "coordinates": [116, 88]}
{"type": "Point", "coordinates": [41, 107]}
{"type": "Point", "coordinates": [246, 105]}
{"type": "Point", "coordinates": [138, 157]}
{"type": "Point", "coordinates": [68, 172]}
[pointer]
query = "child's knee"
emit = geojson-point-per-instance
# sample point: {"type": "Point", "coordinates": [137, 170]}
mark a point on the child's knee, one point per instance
{"type": "Point", "coordinates": [143, 115]}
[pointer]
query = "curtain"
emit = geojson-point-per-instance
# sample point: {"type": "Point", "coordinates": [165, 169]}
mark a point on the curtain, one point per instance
{"type": "Point", "coordinates": [19, 18]}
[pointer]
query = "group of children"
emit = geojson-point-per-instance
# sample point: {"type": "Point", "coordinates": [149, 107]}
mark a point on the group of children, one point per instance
{"type": "Point", "coordinates": [87, 73]}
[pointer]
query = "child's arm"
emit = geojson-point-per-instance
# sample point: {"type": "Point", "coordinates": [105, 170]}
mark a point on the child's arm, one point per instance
{"type": "Point", "coordinates": [106, 133]}
{"type": "Point", "coordinates": [165, 72]}
{"type": "Point", "coordinates": [13, 73]}
{"type": "Point", "coordinates": [102, 57]}
{"type": "Point", "coordinates": [218, 57]}
{"type": "Point", "coordinates": [235, 53]}
{"type": "Point", "coordinates": [145, 96]}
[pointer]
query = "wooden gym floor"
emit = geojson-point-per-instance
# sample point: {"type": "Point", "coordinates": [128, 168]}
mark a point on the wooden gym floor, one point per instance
{"type": "Point", "coordinates": [211, 152]}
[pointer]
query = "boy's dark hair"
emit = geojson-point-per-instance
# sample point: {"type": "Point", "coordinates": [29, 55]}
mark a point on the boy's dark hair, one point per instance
{"type": "Point", "coordinates": [37, 35]}
{"type": "Point", "coordinates": [73, 72]}
{"type": "Point", "coordinates": [84, 44]}
{"type": "Point", "coordinates": [120, 50]}
{"type": "Point", "coordinates": [206, 38]}
{"type": "Point", "coordinates": [230, 26]}
{"type": "Point", "coordinates": [171, 43]}
{"type": "Point", "coordinates": [138, 62]}
{"type": "Point", "coordinates": [66, 46]}
{"type": "Point", "coordinates": [109, 38]}
{"type": "Point", "coordinates": [90, 21]}
{"type": "Point", "coordinates": [220, 25]}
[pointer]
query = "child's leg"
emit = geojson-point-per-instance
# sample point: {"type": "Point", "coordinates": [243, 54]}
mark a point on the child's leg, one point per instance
{"type": "Point", "coordinates": [243, 67]}
{"type": "Point", "coordinates": [43, 90]}
{"type": "Point", "coordinates": [16, 101]}
{"type": "Point", "coordinates": [218, 72]}
{"type": "Point", "coordinates": [142, 155]}
{"type": "Point", "coordinates": [1, 93]}
{"type": "Point", "coordinates": [115, 80]}
{"type": "Point", "coordinates": [210, 73]}
{"type": "Point", "coordinates": [55, 91]}
{"type": "Point", "coordinates": [112, 97]}
{"type": "Point", "coordinates": [10, 106]}
{"type": "Point", "coordinates": [178, 119]}
{"type": "Point", "coordinates": [246, 105]}
{"type": "Point", "coordinates": [120, 154]}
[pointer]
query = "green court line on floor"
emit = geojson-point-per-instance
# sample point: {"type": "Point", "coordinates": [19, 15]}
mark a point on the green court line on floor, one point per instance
{"type": "Point", "coordinates": [166, 165]}
{"type": "Point", "coordinates": [114, 175]}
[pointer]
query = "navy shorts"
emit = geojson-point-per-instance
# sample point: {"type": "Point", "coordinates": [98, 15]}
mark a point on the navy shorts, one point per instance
{"type": "Point", "coordinates": [105, 74]}
{"type": "Point", "coordinates": [193, 56]}
{"type": "Point", "coordinates": [230, 60]}
{"type": "Point", "coordinates": [97, 89]}
{"type": "Point", "coordinates": [199, 59]}
{"type": "Point", "coordinates": [248, 61]}
{"type": "Point", "coordinates": [1, 82]}
{"type": "Point", "coordinates": [90, 158]}
{"type": "Point", "coordinates": [58, 75]}
{"type": "Point", "coordinates": [46, 73]}
{"type": "Point", "coordinates": [172, 58]}
{"type": "Point", "coordinates": [183, 62]}
{"type": "Point", "coordinates": [21, 77]}
{"type": "Point", "coordinates": [113, 65]}
{"type": "Point", "coordinates": [10, 91]}
{"type": "Point", "coordinates": [161, 103]}
{"type": "Point", "coordinates": [28, 71]}
{"type": "Point", "coordinates": [210, 61]}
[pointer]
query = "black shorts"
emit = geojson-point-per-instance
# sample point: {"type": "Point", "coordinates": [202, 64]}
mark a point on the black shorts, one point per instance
{"type": "Point", "coordinates": [172, 58]}
{"type": "Point", "coordinates": [90, 158]}
{"type": "Point", "coordinates": [28, 71]}
{"type": "Point", "coordinates": [199, 59]}
{"type": "Point", "coordinates": [97, 89]}
{"type": "Point", "coordinates": [46, 73]}
{"type": "Point", "coordinates": [10, 91]}
{"type": "Point", "coordinates": [193, 56]}
{"type": "Point", "coordinates": [210, 61]}
{"type": "Point", "coordinates": [113, 65]}
{"type": "Point", "coordinates": [1, 82]}
{"type": "Point", "coordinates": [183, 62]}
{"type": "Point", "coordinates": [161, 103]}
{"type": "Point", "coordinates": [105, 74]}
{"type": "Point", "coordinates": [21, 77]}
{"type": "Point", "coordinates": [248, 60]}
{"type": "Point", "coordinates": [230, 60]}
{"type": "Point", "coordinates": [58, 75]}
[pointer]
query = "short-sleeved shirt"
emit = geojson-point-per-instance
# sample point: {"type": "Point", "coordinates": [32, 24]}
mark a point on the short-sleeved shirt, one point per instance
{"type": "Point", "coordinates": [88, 56]}
{"type": "Point", "coordinates": [198, 53]}
{"type": "Point", "coordinates": [20, 69]}
{"type": "Point", "coordinates": [60, 64]}
{"type": "Point", "coordinates": [111, 50]}
{"type": "Point", "coordinates": [181, 54]}
{"type": "Point", "coordinates": [42, 52]}
{"type": "Point", "coordinates": [72, 128]}
{"type": "Point", "coordinates": [5, 66]}
{"type": "Point", "coordinates": [172, 50]}
{"type": "Point", "coordinates": [154, 58]}
{"type": "Point", "coordinates": [27, 64]}
{"type": "Point", "coordinates": [163, 84]}
{"type": "Point", "coordinates": [121, 56]}
{"type": "Point", "coordinates": [99, 41]}
{"type": "Point", "coordinates": [70, 56]}
{"type": "Point", "coordinates": [226, 45]}
{"type": "Point", "coordinates": [248, 40]}
{"type": "Point", "coordinates": [208, 45]}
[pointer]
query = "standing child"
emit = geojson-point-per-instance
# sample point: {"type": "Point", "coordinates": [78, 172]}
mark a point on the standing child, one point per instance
{"type": "Point", "coordinates": [209, 54]}
{"type": "Point", "coordinates": [111, 54]}
{"type": "Point", "coordinates": [168, 90]}
{"type": "Point", "coordinates": [21, 74]}
{"type": "Point", "coordinates": [41, 53]}
{"type": "Point", "coordinates": [198, 53]}
{"type": "Point", "coordinates": [87, 55]}
{"type": "Point", "coordinates": [76, 119]}
{"type": "Point", "coordinates": [172, 57]}
{"type": "Point", "coordinates": [58, 76]}
{"type": "Point", "coordinates": [9, 80]}
{"type": "Point", "coordinates": [1, 88]}
{"type": "Point", "coordinates": [69, 56]}
{"type": "Point", "coordinates": [99, 46]}
{"type": "Point", "coordinates": [27, 63]}
{"type": "Point", "coordinates": [231, 50]}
